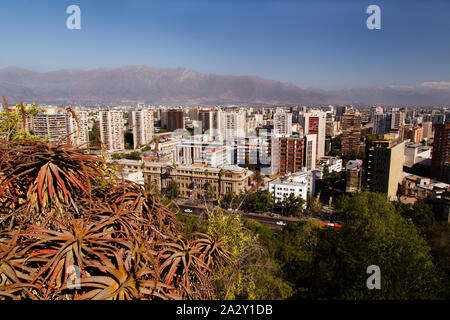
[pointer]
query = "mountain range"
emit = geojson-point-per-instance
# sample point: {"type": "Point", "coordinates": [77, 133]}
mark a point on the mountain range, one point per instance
{"type": "Point", "coordinates": [132, 84]}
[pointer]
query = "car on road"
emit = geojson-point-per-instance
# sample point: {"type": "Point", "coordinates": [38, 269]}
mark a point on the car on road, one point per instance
{"type": "Point", "coordinates": [187, 210]}
{"type": "Point", "coordinates": [281, 223]}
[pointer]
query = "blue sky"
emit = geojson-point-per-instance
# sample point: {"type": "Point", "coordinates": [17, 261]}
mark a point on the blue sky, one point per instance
{"type": "Point", "coordinates": [320, 44]}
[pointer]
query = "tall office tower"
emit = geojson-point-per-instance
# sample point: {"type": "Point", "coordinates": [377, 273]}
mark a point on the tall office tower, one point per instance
{"type": "Point", "coordinates": [142, 122]}
{"type": "Point", "coordinates": [162, 117]}
{"type": "Point", "coordinates": [397, 119]}
{"type": "Point", "coordinates": [79, 128]}
{"type": "Point", "coordinates": [290, 154]}
{"type": "Point", "coordinates": [193, 113]}
{"type": "Point", "coordinates": [381, 123]}
{"type": "Point", "coordinates": [233, 124]}
{"type": "Point", "coordinates": [211, 121]}
{"type": "Point", "coordinates": [427, 130]}
{"type": "Point", "coordinates": [296, 112]}
{"type": "Point", "coordinates": [112, 130]}
{"type": "Point", "coordinates": [54, 126]}
{"type": "Point", "coordinates": [310, 152]}
{"type": "Point", "coordinates": [384, 166]}
{"type": "Point", "coordinates": [374, 111]}
{"type": "Point", "coordinates": [175, 119]}
{"type": "Point", "coordinates": [282, 123]}
{"type": "Point", "coordinates": [340, 110]}
{"type": "Point", "coordinates": [351, 133]}
{"type": "Point", "coordinates": [440, 162]}
{"type": "Point", "coordinates": [314, 122]}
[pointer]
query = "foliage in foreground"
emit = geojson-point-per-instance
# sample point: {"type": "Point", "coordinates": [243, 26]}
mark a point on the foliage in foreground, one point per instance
{"type": "Point", "coordinates": [254, 276]}
{"type": "Point", "coordinates": [324, 263]}
{"type": "Point", "coordinates": [62, 214]}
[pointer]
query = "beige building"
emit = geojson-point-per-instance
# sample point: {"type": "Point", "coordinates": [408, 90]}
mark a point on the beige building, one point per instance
{"type": "Point", "coordinates": [142, 122]}
{"type": "Point", "coordinates": [384, 166]}
{"type": "Point", "coordinates": [192, 180]}
{"type": "Point", "coordinates": [233, 124]}
{"type": "Point", "coordinates": [282, 123]}
{"type": "Point", "coordinates": [112, 130]}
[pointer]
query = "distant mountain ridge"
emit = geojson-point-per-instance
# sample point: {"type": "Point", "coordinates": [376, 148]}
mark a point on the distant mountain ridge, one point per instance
{"type": "Point", "coordinates": [132, 84]}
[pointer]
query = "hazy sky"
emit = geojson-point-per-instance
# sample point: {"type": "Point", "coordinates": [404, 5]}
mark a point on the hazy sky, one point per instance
{"type": "Point", "coordinates": [321, 44]}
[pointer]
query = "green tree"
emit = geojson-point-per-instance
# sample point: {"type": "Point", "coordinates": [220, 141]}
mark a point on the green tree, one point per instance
{"type": "Point", "coordinates": [336, 146]}
{"type": "Point", "coordinates": [255, 276]}
{"type": "Point", "coordinates": [129, 140]}
{"type": "Point", "coordinates": [438, 238]}
{"type": "Point", "coordinates": [420, 214]}
{"type": "Point", "coordinates": [374, 233]}
{"type": "Point", "coordinates": [258, 200]}
{"type": "Point", "coordinates": [172, 190]}
{"type": "Point", "coordinates": [135, 155]}
{"type": "Point", "coordinates": [228, 200]}
{"type": "Point", "coordinates": [94, 135]}
{"type": "Point", "coordinates": [312, 205]}
{"type": "Point", "coordinates": [293, 206]}
{"type": "Point", "coordinates": [13, 123]}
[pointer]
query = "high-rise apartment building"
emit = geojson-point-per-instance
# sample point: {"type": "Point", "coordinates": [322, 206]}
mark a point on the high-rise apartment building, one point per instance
{"type": "Point", "coordinates": [413, 133]}
{"type": "Point", "coordinates": [314, 122]}
{"type": "Point", "coordinates": [310, 152]}
{"type": "Point", "coordinates": [142, 123]}
{"type": "Point", "coordinates": [392, 121]}
{"type": "Point", "coordinates": [233, 124]}
{"type": "Point", "coordinates": [291, 154]}
{"type": "Point", "coordinates": [440, 162]}
{"type": "Point", "coordinates": [175, 119]}
{"type": "Point", "coordinates": [52, 126]}
{"type": "Point", "coordinates": [211, 121]}
{"type": "Point", "coordinates": [79, 128]}
{"type": "Point", "coordinates": [384, 166]}
{"type": "Point", "coordinates": [112, 130]}
{"type": "Point", "coordinates": [282, 123]}
{"type": "Point", "coordinates": [351, 133]}
{"type": "Point", "coordinates": [427, 130]}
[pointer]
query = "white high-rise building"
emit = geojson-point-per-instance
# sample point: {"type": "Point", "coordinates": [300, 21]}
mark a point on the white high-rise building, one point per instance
{"type": "Point", "coordinates": [80, 131]}
{"type": "Point", "coordinates": [282, 123]}
{"type": "Point", "coordinates": [112, 130]}
{"type": "Point", "coordinates": [314, 122]}
{"type": "Point", "coordinates": [233, 124]}
{"type": "Point", "coordinates": [310, 151]}
{"type": "Point", "coordinates": [53, 126]}
{"type": "Point", "coordinates": [142, 122]}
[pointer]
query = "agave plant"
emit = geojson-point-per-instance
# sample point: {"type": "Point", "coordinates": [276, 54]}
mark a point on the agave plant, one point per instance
{"type": "Point", "coordinates": [46, 176]}
{"type": "Point", "coordinates": [61, 210]}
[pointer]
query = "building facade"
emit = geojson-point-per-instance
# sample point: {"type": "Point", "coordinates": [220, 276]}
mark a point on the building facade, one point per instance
{"type": "Point", "coordinates": [351, 133]}
{"type": "Point", "coordinates": [175, 119]}
{"type": "Point", "coordinates": [300, 184]}
{"type": "Point", "coordinates": [112, 130]}
{"type": "Point", "coordinates": [440, 162]}
{"type": "Point", "coordinates": [384, 166]}
{"type": "Point", "coordinates": [142, 122]}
